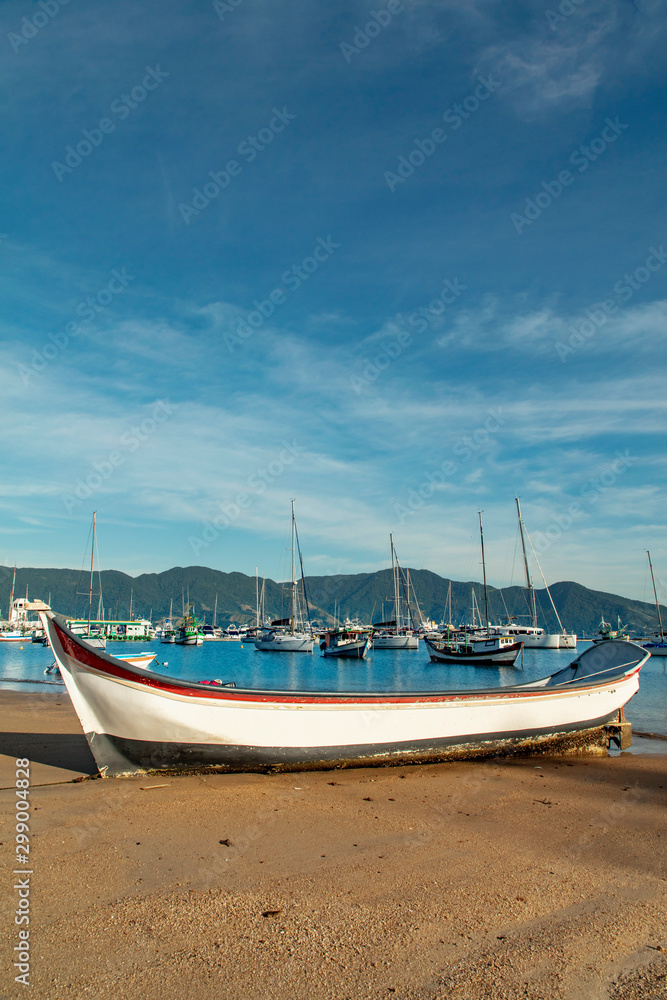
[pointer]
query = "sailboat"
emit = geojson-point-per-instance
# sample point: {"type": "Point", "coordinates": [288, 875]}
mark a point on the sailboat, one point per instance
{"type": "Point", "coordinates": [168, 631]}
{"type": "Point", "coordinates": [531, 635]}
{"type": "Point", "coordinates": [287, 635]}
{"type": "Point", "coordinates": [396, 634]}
{"type": "Point", "coordinates": [12, 634]}
{"type": "Point", "coordinates": [95, 639]}
{"type": "Point", "coordinates": [658, 648]}
{"type": "Point", "coordinates": [485, 650]}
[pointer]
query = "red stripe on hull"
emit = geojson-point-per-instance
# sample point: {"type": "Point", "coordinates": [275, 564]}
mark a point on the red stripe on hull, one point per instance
{"type": "Point", "coordinates": [105, 665]}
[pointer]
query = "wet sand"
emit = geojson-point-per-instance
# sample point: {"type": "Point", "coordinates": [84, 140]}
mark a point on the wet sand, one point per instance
{"type": "Point", "coordinates": [501, 879]}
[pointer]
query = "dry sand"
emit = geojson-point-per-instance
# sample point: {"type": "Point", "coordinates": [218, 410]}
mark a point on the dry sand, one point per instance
{"type": "Point", "coordinates": [510, 878]}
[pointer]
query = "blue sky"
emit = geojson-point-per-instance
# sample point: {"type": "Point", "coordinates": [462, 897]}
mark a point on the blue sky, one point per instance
{"type": "Point", "coordinates": [400, 265]}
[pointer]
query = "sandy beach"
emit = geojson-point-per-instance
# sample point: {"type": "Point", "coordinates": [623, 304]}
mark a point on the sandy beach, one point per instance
{"type": "Point", "coordinates": [509, 878]}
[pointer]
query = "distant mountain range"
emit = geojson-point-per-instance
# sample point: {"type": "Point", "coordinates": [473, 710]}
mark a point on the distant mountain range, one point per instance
{"type": "Point", "coordinates": [363, 595]}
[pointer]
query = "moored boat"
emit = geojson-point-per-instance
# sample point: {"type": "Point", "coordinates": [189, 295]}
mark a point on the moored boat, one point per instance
{"type": "Point", "coordinates": [137, 721]}
{"type": "Point", "coordinates": [498, 651]}
{"type": "Point", "coordinates": [658, 648]}
{"type": "Point", "coordinates": [350, 643]}
{"type": "Point", "coordinates": [289, 635]}
{"type": "Point", "coordinates": [189, 633]}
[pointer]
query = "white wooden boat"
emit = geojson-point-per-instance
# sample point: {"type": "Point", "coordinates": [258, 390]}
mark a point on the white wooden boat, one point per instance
{"type": "Point", "coordinates": [137, 721]}
{"type": "Point", "coordinates": [136, 659]}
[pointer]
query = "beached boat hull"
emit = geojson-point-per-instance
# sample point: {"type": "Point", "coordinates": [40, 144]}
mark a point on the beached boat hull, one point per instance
{"type": "Point", "coordinates": [138, 721]}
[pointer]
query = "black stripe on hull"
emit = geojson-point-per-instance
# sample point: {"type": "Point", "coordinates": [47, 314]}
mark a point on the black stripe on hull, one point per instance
{"type": "Point", "coordinates": [117, 756]}
{"type": "Point", "coordinates": [476, 660]}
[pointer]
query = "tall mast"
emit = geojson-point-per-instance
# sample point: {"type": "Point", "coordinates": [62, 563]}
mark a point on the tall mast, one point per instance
{"type": "Point", "coordinates": [546, 585]}
{"type": "Point", "coordinates": [486, 592]}
{"type": "Point", "coordinates": [256, 598]}
{"type": "Point", "coordinates": [293, 614]}
{"type": "Point", "coordinates": [92, 556]}
{"type": "Point", "coordinates": [529, 584]}
{"type": "Point", "coordinates": [395, 576]}
{"type": "Point", "coordinates": [11, 596]}
{"type": "Point", "coordinates": [448, 603]}
{"type": "Point", "coordinates": [131, 596]}
{"type": "Point", "coordinates": [655, 594]}
{"type": "Point", "coordinates": [215, 610]}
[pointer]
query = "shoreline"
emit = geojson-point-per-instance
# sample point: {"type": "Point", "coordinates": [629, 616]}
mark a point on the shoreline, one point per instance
{"type": "Point", "coordinates": [477, 880]}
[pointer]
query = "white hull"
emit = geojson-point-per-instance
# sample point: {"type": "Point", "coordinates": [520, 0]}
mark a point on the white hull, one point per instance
{"type": "Point", "coordinates": [545, 641]}
{"type": "Point", "coordinates": [167, 639]}
{"type": "Point", "coordinates": [395, 642]}
{"type": "Point", "coordinates": [138, 659]}
{"type": "Point", "coordinates": [190, 640]}
{"type": "Point", "coordinates": [655, 648]}
{"type": "Point", "coordinates": [136, 721]}
{"type": "Point", "coordinates": [285, 644]}
{"type": "Point", "coordinates": [567, 641]}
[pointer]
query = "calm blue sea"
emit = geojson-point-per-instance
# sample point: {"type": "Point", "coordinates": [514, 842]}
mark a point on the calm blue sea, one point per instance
{"type": "Point", "coordinates": [383, 670]}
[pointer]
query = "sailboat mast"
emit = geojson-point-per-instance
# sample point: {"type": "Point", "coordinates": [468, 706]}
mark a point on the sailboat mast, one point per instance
{"type": "Point", "coordinates": [655, 594]}
{"type": "Point", "coordinates": [395, 576]}
{"type": "Point", "coordinates": [256, 597]}
{"type": "Point", "coordinates": [215, 610]}
{"type": "Point", "coordinates": [293, 623]}
{"type": "Point", "coordinates": [448, 604]}
{"type": "Point", "coordinates": [529, 583]}
{"type": "Point", "coordinates": [11, 596]}
{"type": "Point", "coordinates": [92, 557]}
{"type": "Point", "coordinates": [486, 592]}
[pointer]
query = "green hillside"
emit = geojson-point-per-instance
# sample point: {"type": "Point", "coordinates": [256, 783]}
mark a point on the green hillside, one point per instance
{"type": "Point", "coordinates": [363, 595]}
